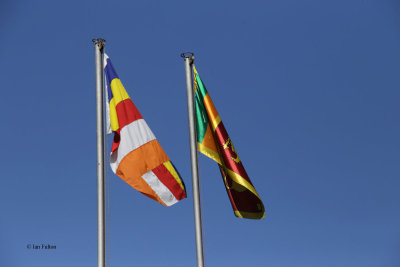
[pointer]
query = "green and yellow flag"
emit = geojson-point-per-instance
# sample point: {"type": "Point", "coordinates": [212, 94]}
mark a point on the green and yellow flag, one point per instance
{"type": "Point", "coordinates": [214, 142]}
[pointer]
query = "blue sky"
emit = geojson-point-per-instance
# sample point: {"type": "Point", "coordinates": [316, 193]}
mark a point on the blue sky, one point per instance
{"type": "Point", "coordinates": [308, 91]}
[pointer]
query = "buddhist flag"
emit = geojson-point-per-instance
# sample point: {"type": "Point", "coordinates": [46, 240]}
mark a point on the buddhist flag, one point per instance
{"type": "Point", "coordinates": [214, 142]}
{"type": "Point", "coordinates": [136, 156]}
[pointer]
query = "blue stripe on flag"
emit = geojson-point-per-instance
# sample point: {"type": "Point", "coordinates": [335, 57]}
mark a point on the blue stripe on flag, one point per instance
{"type": "Point", "coordinates": [111, 74]}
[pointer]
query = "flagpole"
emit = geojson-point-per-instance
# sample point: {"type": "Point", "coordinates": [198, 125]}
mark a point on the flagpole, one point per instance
{"type": "Point", "coordinates": [98, 47]}
{"type": "Point", "coordinates": [189, 59]}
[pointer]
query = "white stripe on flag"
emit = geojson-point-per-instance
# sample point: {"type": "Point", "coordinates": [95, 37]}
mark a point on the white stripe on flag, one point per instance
{"type": "Point", "coordinates": [132, 136]}
{"type": "Point", "coordinates": [159, 188]}
{"type": "Point", "coordinates": [108, 123]}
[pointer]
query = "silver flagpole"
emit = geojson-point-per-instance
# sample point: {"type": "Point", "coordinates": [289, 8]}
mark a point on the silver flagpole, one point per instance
{"type": "Point", "coordinates": [189, 59]}
{"type": "Point", "coordinates": [98, 47]}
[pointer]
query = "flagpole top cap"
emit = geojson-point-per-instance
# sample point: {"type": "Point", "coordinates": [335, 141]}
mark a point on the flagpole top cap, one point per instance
{"type": "Point", "coordinates": [187, 55]}
{"type": "Point", "coordinates": [99, 41]}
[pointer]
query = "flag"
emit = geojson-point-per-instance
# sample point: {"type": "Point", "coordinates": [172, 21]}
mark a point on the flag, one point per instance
{"type": "Point", "coordinates": [214, 142]}
{"type": "Point", "coordinates": [136, 156]}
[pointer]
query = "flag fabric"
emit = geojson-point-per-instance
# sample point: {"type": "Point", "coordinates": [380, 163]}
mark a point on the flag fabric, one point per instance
{"type": "Point", "coordinates": [136, 156]}
{"type": "Point", "coordinates": [214, 142]}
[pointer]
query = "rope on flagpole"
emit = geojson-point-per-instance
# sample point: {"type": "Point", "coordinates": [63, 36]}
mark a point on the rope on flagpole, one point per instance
{"type": "Point", "coordinates": [107, 172]}
{"type": "Point", "coordinates": [107, 179]}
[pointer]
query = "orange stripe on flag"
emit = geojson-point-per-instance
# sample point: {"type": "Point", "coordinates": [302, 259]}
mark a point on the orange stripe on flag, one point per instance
{"type": "Point", "coordinates": [211, 111]}
{"type": "Point", "coordinates": [208, 147]}
{"type": "Point", "coordinates": [139, 162]}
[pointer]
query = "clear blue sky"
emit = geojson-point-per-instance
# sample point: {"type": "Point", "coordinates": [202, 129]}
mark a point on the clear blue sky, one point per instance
{"type": "Point", "coordinates": [308, 91]}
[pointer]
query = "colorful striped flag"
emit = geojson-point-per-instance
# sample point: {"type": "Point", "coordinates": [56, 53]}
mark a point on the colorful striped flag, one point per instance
{"type": "Point", "coordinates": [214, 142]}
{"type": "Point", "coordinates": [136, 155]}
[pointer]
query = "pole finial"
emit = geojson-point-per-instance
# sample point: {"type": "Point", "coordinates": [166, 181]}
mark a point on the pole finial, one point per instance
{"type": "Point", "coordinates": [188, 55]}
{"type": "Point", "coordinates": [100, 42]}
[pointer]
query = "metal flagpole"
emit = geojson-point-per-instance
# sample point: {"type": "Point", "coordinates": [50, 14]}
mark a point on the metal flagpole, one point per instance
{"type": "Point", "coordinates": [98, 47]}
{"type": "Point", "coordinates": [189, 59]}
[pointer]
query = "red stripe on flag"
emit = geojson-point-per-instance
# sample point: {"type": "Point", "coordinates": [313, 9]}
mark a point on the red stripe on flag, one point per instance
{"type": "Point", "coordinates": [169, 181]}
{"type": "Point", "coordinates": [127, 113]}
{"type": "Point", "coordinates": [221, 137]}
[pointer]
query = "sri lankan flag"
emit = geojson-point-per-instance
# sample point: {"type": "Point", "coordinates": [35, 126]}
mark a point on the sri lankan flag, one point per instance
{"type": "Point", "coordinates": [214, 142]}
{"type": "Point", "coordinates": [136, 155]}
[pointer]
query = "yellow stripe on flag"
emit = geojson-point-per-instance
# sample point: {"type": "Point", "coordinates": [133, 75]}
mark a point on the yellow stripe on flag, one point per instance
{"type": "Point", "coordinates": [113, 116]}
{"type": "Point", "coordinates": [250, 215]}
{"type": "Point", "coordinates": [118, 91]}
{"type": "Point", "coordinates": [172, 170]}
{"type": "Point", "coordinates": [209, 153]}
{"type": "Point", "coordinates": [119, 94]}
{"type": "Point", "coordinates": [240, 180]}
